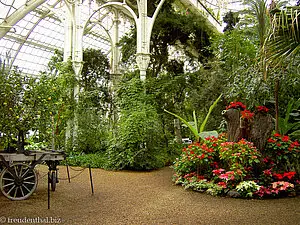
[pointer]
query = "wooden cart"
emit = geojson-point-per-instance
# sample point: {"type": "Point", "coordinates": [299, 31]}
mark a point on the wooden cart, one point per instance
{"type": "Point", "coordinates": [18, 177]}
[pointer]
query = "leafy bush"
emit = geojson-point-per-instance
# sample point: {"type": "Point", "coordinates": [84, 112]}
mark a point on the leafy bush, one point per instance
{"type": "Point", "coordinates": [137, 143]}
{"type": "Point", "coordinates": [93, 131]}
{"type": "Point", "coordinates": [229, 166]}
{"type": "Point", "coordinates": [282, 154]}
{"type": "Point", "coordinates": [239, 157]}
{"type": "Point", "coordinates": [247, 188]}
{"type": "Point", "coordinates": [97, 160]}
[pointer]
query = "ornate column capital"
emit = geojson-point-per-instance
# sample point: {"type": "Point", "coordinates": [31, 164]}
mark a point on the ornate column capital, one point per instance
{"type": "Point", "coordinates": [143, 60]}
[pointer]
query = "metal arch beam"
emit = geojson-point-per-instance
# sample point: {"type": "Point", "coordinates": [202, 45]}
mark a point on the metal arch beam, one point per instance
{"type": "Point", "coordinates": [24, 40]}
{"type": "Point", "coordinates": [197, 6]}
{"type": "Point", "coordinates": [109, 39]}
{"type": "Point", "coordinates": [19, 14]}
{"type": "Point", "coordinates": [144, 26]}
{"type": "Point", "coordinates": [32, 43]}
{"type": "Point", "coordinates": [112, 4]}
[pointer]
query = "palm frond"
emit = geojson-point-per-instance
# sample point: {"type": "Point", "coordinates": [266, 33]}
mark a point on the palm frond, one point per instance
{"type": "Point", "coordinates": [284, 41]}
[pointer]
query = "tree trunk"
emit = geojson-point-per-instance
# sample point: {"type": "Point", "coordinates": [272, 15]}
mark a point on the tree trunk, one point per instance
{"type": "Point", "coordinates": [232, 117]}
{"type": "Point", "coordinates": [21, 141]}
{"type": "Point", "coordinates": [276, 105]}
{"type": "Point", "coordinates": [177, 131]}
{"type": "Point", "coordinates": [261, 130]}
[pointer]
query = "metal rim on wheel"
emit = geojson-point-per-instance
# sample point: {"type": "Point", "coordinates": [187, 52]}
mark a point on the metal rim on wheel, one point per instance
{"type": "Point", "coordinates": [18, 181]}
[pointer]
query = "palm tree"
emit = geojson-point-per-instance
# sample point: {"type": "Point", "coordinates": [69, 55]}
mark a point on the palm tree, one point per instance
{"type": "Point", "coordinates": [283, 43]}
{"type": "Point", "coordinates": [259, 9]}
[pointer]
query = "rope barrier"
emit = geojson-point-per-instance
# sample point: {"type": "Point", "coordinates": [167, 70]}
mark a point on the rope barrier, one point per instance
{"type": "Point", "coordinates": [76, 169]}
{"type": "Point", "coordinates": [80, 172]}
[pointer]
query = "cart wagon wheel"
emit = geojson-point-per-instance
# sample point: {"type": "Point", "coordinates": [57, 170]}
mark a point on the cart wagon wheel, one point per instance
{"type": "Point", "coordinates": [18, 181]}
{"type": "Point", "coordinates": [52, 179]}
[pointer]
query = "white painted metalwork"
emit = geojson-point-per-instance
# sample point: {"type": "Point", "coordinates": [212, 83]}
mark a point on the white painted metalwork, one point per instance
{"type": "Point", "coordinates": [30, 30]}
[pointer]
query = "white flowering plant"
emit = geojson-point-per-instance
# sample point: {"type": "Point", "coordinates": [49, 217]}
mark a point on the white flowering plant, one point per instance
{"type": "Point", "coordinates": [247, 188]}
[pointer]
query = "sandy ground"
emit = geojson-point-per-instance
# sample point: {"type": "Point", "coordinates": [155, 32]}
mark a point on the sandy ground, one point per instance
{"type": "Point", "coordinates": [127, 197]}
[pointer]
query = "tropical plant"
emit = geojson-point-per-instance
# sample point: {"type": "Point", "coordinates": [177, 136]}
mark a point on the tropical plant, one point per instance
{"type": "Point", "coordinates": [137, 142]}
{"type": "Point", "coordinates": [283, 153]}
{"type": "Point", "coordinates": [30, 104]}
{"type": "Point", "coordinates": [199, 131]}
{"type": "Point", "coordinates": [93, 102]}
{"type": "Point", "coordinates": [284, 41]}
{"type": "Point", "coordinates": [247, 188]}
{"type": "Point", "coordinates": [286, 125]}
{"type": "Point", "coordinates": [231, 19]}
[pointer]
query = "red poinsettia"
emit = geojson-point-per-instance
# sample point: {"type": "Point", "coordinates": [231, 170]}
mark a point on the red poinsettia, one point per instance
{"type": "Point", "coordinates": [236, 105]}
{"type": "Point", "coordinates": [285, 138]}
{"type": "Point", "coordinates": [262, 108]}
{"type": "Point", "coordinates": [289, 175]}
{"type": "Point", "coordinates": [246, 114]}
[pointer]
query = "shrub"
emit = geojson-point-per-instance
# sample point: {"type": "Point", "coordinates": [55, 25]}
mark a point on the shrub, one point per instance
{"type": "Point", "coordinates": [239, 157]}
{"type": "Point", "coordinates": [280, 188]}
{"type": "Point", "coordinates": [138, 141]}
{"type": "Point", "coordinates": [201, 157]}
{"type": "Point", "coordinates": [226, 167]}
{"type": "Point", "coordinates": [282, 154]}
{"type": "Point", "coordinates": [97, 160]}
{"type": "Point", "coordinates": [247, 188]}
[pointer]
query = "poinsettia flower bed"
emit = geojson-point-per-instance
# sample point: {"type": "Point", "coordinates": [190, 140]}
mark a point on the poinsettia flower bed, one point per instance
{"type": "Point", "coordinates": [238, 169]}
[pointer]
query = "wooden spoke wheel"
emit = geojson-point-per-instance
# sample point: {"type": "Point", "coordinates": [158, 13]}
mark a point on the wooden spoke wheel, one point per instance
{"type": "Point", "coordinates": [18, 181]}
{"type": "Point", "coordinates": [52, 179]}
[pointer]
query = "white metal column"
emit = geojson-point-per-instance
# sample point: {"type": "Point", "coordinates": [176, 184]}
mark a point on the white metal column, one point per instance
{"type": "Point", "coordinates": [144, 30]}
{"type": "Point", "coordinates": [115, 56]}
{"type": "Point", "coordinates": [74, 49]}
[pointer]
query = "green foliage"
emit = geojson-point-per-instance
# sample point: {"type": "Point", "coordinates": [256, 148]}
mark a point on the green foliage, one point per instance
{"type": "Point", "coordinates": [231, 19]}
{"type": "Point", "coordinates": [202, 185]}
{"type": "Point", "coordinates": [284, 40]}
{"type": "Point", "coordinates": [57, 89]}
{"type": "Point", "coordinates": [137, 143]}
{"type": "Point", "coordinates": [187, 30]}
{"type": "Point", "coordinates": [217, 167]}
{"type": "Point", "coordinates": [283, 153]}
{"type": "Point", "coordinates": [236, 49]}
{"type": "Point", "coordinates": [247, 188]}
{"type": "Point", "coordinates": [94, 100]}
{"type": "Point", "coordinates": [95, 81]}
{"type": "Point", "coordinates": [194, 127]}
{"type": "Point", "coordinates": [93, 131]}
{"type": "Point", "coordinates": [28, 103]}
{"type": "Point", "coordinates": [259, 9]}
{"type": "Point", "coordinates": [288, 125]}
{"type": "Point", "coordinates": [97, 160]}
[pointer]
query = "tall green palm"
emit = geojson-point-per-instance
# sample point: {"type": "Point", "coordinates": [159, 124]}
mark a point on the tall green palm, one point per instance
{"type": "Point", "coordinates": [284, 40]}
{"type": "Point", "coordinates": [259, 9]}
{"type": "Point", "coordinates": [283, 43]}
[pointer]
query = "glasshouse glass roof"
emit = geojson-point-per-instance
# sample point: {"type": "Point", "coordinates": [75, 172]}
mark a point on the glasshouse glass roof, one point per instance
{"type": "Point", "coordinates": [31, 30]}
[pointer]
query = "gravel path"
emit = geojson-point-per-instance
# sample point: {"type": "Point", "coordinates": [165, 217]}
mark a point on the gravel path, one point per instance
{"type": "Point", "coordinates": [140, 198]}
